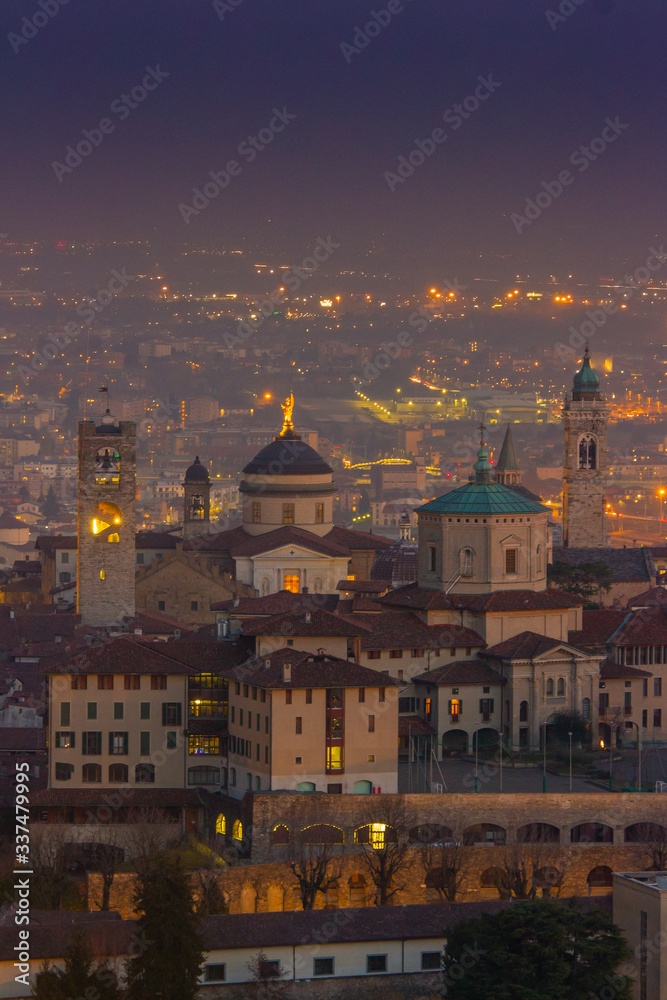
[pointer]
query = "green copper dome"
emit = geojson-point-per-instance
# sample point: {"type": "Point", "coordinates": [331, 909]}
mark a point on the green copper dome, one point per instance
{"type": "Point", "coordinates": [482, 496]}
{"type": "Point", "coordinates": [586, 380]}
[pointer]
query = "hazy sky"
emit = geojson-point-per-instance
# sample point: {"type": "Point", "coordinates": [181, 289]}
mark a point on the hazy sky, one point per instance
{"type": "Point", "coordinates": [552, 79]}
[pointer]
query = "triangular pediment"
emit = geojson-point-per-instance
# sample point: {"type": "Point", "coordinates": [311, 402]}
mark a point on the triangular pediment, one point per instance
{"type": "Point", "coordinates": [299, 551]}
{"type": "Point", "coordinates": [560, 652]}
{"type": "Point", "coordinates": [509, 539]}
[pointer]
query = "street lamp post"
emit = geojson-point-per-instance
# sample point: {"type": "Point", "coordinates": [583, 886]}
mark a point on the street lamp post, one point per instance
{"type": "Point", "coordinates": [476, 738]}
{"type": "Point", "coordinates": [639, 753]}
{"type": "Point", "coordinates": [544, 763]}
{"type": "Point", "coordinates": [570, 735]}
{"type": "Point", "coordinates": [501, 759]}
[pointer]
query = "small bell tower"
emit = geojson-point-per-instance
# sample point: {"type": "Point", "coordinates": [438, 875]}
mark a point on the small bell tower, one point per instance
{"type": "Point", "coordinates": [197, 500]}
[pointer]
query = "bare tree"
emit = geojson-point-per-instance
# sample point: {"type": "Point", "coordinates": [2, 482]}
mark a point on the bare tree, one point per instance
{"type": "Point", "coordinates": [151, 833]}
{"type": "Point", "coordinates": [316, 866]}
{"type": "Point", "coordinates": [210, 897]}
{"type": "Point", "coordinates": [385, 852]}
{"type": "Point", "coordinates": [106, 856]}
{"type": "Point", "coordinates": [51, 880]}
{"type": "Point", "coordinates": [267, 976]}
{"type": "Point", "coordinates": [446, 865]}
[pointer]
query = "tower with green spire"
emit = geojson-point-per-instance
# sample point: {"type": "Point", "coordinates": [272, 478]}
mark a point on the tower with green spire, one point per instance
{"type": "Point", "coordinates": [585, 463]}
{"type": "Point", "coordinates": [508, 470]}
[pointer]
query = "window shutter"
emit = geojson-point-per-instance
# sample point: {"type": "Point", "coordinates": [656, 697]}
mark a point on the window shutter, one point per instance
{"type": "Point", "coordinates": [110, 743]}
{"type": "Point", "coordinates": [165, 711]}
{"type": "Point", "coordinates": [125, 743]}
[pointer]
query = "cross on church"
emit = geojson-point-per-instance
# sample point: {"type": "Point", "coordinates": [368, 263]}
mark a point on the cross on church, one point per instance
{"type": "Point", "coordinates": [482, 428]}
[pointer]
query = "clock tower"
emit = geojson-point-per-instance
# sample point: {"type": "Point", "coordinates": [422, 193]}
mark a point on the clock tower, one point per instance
{"type": "Point", "coordinates": [106, 533]}
{"type": "Point", "coordinates": [585, 463]}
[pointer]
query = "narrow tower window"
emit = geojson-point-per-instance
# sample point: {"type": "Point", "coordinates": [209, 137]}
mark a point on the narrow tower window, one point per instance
{"type": "Point", "coordinates": [588, 452]}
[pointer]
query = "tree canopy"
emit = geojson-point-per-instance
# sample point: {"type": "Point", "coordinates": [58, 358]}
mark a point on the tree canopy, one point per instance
{"type": "Point", "coordinates": [587, 579]}
{"type": "Point", "coordinates": [535, 950]}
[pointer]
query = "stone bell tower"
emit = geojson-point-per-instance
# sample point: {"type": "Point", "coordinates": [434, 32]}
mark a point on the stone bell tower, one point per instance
{"type": "Point", "coordinates": [197, 500]}
{"type": "Point", "coordinates": [106, 533]}
{"type": "Point", "coordinates": [585, 464]}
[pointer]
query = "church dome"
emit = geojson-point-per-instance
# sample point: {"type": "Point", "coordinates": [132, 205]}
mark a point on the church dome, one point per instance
{"type": "Point", "coordinates": [288, 456]}
{"type": "Point", "coordinates": [482, 496]}
{"type": "Point", "coordinates": [197, 473]}
{"type": "Point", "coordinates": [586, 380]}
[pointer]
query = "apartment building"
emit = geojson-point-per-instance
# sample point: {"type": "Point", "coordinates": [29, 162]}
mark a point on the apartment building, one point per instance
{"type": "Point", "coordinates": [311, 722]}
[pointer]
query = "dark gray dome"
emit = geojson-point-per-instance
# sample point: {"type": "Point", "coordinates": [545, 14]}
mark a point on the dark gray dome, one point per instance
{"type": "Point", "coordinates": [197, 473]}
{"type": "Point", "coordinates": [288, 456]}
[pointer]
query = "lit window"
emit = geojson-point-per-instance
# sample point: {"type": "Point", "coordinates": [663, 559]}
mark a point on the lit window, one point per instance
{"type": "Point", "coordinates": [221, 825]}
{"type": "Point", "coordinates": [288, 513]}
{"type": "Point", "coordinates": [334, 758]}
{"type": "Point", "coordinates": [291, 582]}
{"type": "Point", "coordinates": [319, 513]}
{"type": "Point", "coordinates": [114, 537]}
{"type": "Point", "coordinates": [256, 513]}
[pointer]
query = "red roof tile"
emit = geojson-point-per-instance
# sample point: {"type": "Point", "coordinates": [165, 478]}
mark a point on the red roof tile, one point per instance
{"type": "Point", "coordinates": [461, 672]}
{"type": "Point", "coordinates": [525, 646]}
{"type": "Point", "coordinates": [356, 540]}
{"type": "Point", "coordinates": [404, 630]}
{"type": "Point", "coordinates": [283, 602]}
{"type": "Point", "coordinates": [610, 670]}
{"type": "Point", "coordinates": [599, 625]}
{"type": "Point", "coordinates": [306, 623]}
{"type": "Point", "coordinates": [125, 655]}
{"type": "Point", "coordinates": [309, 670]}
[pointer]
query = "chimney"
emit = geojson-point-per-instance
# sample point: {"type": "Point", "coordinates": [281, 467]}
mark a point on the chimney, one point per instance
{"type": "Point", "coordinates": [11, 614]}
{"type": "Point", "coordinates": [237, 601]}
{"type": "Point", "coordinates": [308, 617]}
{"type": "Point", "coordinates": [287, 673]}
{"type": "Point", "coordinates": [58, 638]}
{"type": "Point", "coordinates": [304, 590]}
{"type": "Point", "coordinates": [138, 631]}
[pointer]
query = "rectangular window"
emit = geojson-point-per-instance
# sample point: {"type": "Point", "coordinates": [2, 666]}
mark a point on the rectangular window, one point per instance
{"type": "Point", "coordinates": [266, 723]}
{"type": "Point", "coordinates": [373, 654]}
{"type": "Point", "coordinates": [371, 723]}
{"type": "Point", "coordinates": [64, 577]}
{"type": "Point", "coordinates": [249, 720]}
{"type": "Point", "coordinates": [144, 744]}
{"type": "Point", "coordinates": [645, 688]}
{"type": "Point", "coordinates": [416, 653]}
{"type": "Point", "coordinates": [323, 967]}
{"type": "Point", "coordinates": [645, 718]}
{"type": "Point", "coordinates": [159, 682]}
{"type": "Point", "coordinates": [132, 682]}
{"type": "Point", "coordinates": [266, 755]}
{"type": "Point", "coordinates": [288, 513]}
{"type": "Point", "coordinates": [382, 694]}
{"type": "Point", "coordinates": [657, 686]}
{"type": "Point", "coordinates": [240, 717]}
{"type": "Point", "coordinates": [292, 582]}
{"type": "Point", "coordinates": [140, 558]}
{"type": "Point", "coordinates": [657, 718]}
{"type": "Point", "coordinates": [256, 513]}
{"type": "Point", "coordinates": [64, 772]}
{"type": "Point", "coordinates": [627, 705]}
{"type": "Point", "coordinates": [172, 741]}
{"type": "Point", "coordinates": [92, 709]}
{"type": "Point", "coordinates": [395, 654]}
{"type": "Point", "coordinates": [64, 557]}
{"type": "Point", "coordinates": [105, 682]}
{"type": "Point", "coordinates": [319, 513]}
{"type": "Point", "coordinates": [259, 722]}
{"type": "Point", "coordinates": [214, 973]}
{"type": "Point", "coordinates": [145, 710]}
{"type": "Point", "coordinates": [376, 963]}
{"type": "Point", "coordinates": [309, 696]}
{"type": "Point", "coordinates": [432, 557]}
{"type": "Point", "coordinates": [118, 710]}
{"type": "Point", "coordinates": [118, 744]}
{"type": "Point", "coordinates": [288, 697]}
{"type": "Point", "coordinates": [65, 713]}
{"type": "Point", "coordinates": [254, 693]}
{"type": "Point", "coordinates": [269, 969]}
{"type": "Point", "coordinates": [362, 694]}
{"type": "Point", "coordinates": [194, 605]}
{"type": "Point", "coordinates": [298, 728]}
{"type": "Point", "coordinates": [79, 682]}
{"type": "Point", "coordinates": [65, 741]}
{"type": "Point", "coordinates": [510, 560]}
{"type": "Point", "coordinates": [171, 713]}
{"type": "Point", "coordinates": [203, 745]}
{"type": "Point", "coordinates": [431, 961]}
{"type": "Point", "coordinates": [91, 744]}
{"type": "Point", "coordinates": [160, 605]}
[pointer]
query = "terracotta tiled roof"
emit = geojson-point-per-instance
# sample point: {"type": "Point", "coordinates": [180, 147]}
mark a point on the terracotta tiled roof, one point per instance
{"type": "Point", "coordinates": [461, 672]}
{"type": "Point", "coordinates": [288, 534]}
{"type": "Point", "coordinates": [401, 631]}
{"type": "Point", "coordinates": [280, 603]}
{"type": "Point", "coordinates": [363, 586]}
{"type": "Point", "coordinates": [413, 596]}
{"type": "Point", "coordinates": [308, 671]}
{"type": "Point", "coordinates": [518, 600]}
{"type": "Point", "coordinates": [157, 540]}
{"type": "Point", "coordinates": [413, 725]}
{"type": "Point", "coordinates": [125, 655]}
{"type": "Point", "coordinates": [21, 738]}
{"type": "Point", "coordinates": [525, 646]}
{"type": "Point", "coordinates": [610, 670]}
{"type": "Point", "coordinates": [141, 798]}
{"type": "Point", "coordinates": [647, 626]}
{"type": "Point", "coordinates": [599, 625]}
{"type": "Point", "coordinates": [351, 539]}
{"type": "Point", "coordinates": [306, 623]}
{"type": "Point", "coordinates": [49, 543]}
{"type": "Point", "coordinates": [656, 597]}
{"type": "Point", "coordinates": [154, 624]}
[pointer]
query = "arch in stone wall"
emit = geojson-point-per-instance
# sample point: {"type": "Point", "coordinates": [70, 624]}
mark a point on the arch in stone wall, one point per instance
{"type": "Point", "coordinates": [600, 877]}
{"type": "Point", "coordinates": [484, 833]}
{"type": "Point", "coordinates": [538, 833]}
{"type": "Point", "coordinates": [322, 833]}
{"type": "Point", "coordinates": [357, 889]}
{"type": "Point", "coordinates": [591, 833]}
{"type": "Point", "coordinates": [429, 833]}
{"type": "Point", "coordinates": [645, 833]}
{"type": "Point", "coordinates": [490, 878]}
{"type": "Point", "coordinates": [280, 834]}
{"type": "Point", "coordinates": [275, 897]}
{"type": "Point", "coordinates": [248, 899]}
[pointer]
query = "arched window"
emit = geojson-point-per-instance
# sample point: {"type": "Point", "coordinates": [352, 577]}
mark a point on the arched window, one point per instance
{"type": "Point", "coordinates": [221, 825]}
{"type": "Point", "coordinates": [523, 711]}
{"type": "Point", "coordinates": [118, 773]}
{"type": "Point", "coordinates": [377, 835]}
{"type": "Point", "coordinates": [600, 877]}
{"type": "Point", "coordinates": [466, 562]}
{"type": "Point", "coordinates": [258, 783]}
{"type": "Point", "coordinates": [92, 773]}
{"type": "Point", "coordinates": [249, 780]}
{"type": "Point", "coordinates": [203, 775]}
{"type": "Point", "coordinates": [237, 830]}
{"type": "Point", "coordinates": [550, 687]}
{"type": "Point", "coordinates": [357, 886]}
{"type": "Point", "coordinates": [104, 516]}
{"type": "Point", "coordinates": [144, 774]}
{"type": "Point", "coordinates": [588, 452]}
{"type": "Point", "coordinates": [306, 786]}
{"type": "Point", "coordinates": [322, 833]}
{"type": "Point", "coordinates": [196, 508]}
{"type": "Point", "coordinates": [490, 878]}
{"type": "Point", "coordinates": [560, 689]}
{"type": "Point", "coordinates": [107, 467]}
{"type": "Point", "coordinates": [114, 537]}
{"type": "Point", "coordinates": [280, 834]}
{"type": "Point", "coordinates": [362, 788]}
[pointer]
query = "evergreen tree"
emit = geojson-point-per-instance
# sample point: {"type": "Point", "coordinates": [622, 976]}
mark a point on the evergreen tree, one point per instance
{"type": "Point", "coordinates": [167, 966]}
{"type": "Point", "coordinates": [51, 506]}
{"type": "Point", "coordinates": [81, 977]}
{"type": "Point", "coordinates": [536, 951]}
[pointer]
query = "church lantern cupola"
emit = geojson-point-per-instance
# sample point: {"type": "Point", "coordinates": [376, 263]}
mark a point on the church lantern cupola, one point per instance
{"type": "Point", "coordinates": [197, 499]}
